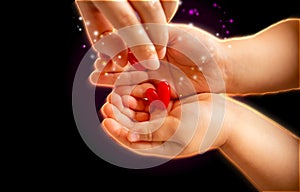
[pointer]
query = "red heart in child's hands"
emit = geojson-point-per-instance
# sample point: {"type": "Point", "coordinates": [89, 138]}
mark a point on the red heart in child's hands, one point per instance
{"type": "Point", "coordinates": [163, 89]}
{"type": "Point", "coordinates": [134, 62]}
{"type": "Point", "coordinates": [163, 93]}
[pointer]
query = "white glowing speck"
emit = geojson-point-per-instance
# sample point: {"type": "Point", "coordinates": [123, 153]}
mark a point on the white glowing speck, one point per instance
{"type": "Point", "coordinates": [192, 68]}
{"type": "Point", "coordinates": [194, 77]}
{"type": "Point", "coordinates": [96, 33]}
{"type": "Point", "coordinates": [180, 3]}
{"type": "Point", "coordinates": [200, 68]}
{"type": "Point", "coordinates": [119, 57]}
{"type": "Point", "coordinates": [92, 56]}
{"type": "Point", "coordinates": [180, 78]}
{"type": "Point", "coordinates": [153, 2]}
{"type": "Point", "coordinates": [217, 34]}
{"type": "Point", "coordinates": [105, 74]}
{"type": "Point", "coordinates": [191, 24]}
{"type": "Point", "coordinates": [87, 22]}
{"type": "Point", "coordinates": [203, 59]}
{"type": "Point", "coordinates": [95, 40]}
{"type": "Point", "coordinates": [179, 38]}
{"type": "Point", "coordinates": [80, 18]}
{"type": "Point", "coordinates": [102, 43]}
{"type": "Point", "coordinates": [180, 95]}
{"type": "Point", "coordinates": [229, 46]}
{"type": "Point", "coordinates": [141, 31]}
{"type": "Point", "coordinates": [152, 48]}
{"type": "Point", "coordinates": [103, 63]}
{"type": "Point", "coordinates": [114, 68]}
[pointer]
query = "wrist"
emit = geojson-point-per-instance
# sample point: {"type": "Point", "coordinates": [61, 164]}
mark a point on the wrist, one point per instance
{"type": "Point", "coordinates": [220, 124]}
{"type": "Point", "coordinates": [227, 60]}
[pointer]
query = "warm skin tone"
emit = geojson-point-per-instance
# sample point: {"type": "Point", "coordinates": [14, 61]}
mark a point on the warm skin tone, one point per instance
{"type": "Point", "coordinates": [263, 150]}
{"type": "Point", "coordinates": [265, 62]}
{"type": "Point", "coordinates": [248, 64]}
{"type": "Point", "coordinates": [266, 152]}
{"type": "Point", "coordinates": [106, 15]}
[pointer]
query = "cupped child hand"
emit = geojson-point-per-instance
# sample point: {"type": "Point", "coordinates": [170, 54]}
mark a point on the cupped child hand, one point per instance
{"type": "Point", "coordinates": [188, 126]}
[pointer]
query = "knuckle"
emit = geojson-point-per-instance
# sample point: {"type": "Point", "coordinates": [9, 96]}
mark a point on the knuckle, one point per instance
{"type": "Point", "coordinates": [126, 19]}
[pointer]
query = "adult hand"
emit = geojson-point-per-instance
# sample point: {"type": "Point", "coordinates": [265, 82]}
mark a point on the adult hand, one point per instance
{"type": "Point", "coordinates": [191, 55]}
{"type": "Point", "coordinates": [133, 20]}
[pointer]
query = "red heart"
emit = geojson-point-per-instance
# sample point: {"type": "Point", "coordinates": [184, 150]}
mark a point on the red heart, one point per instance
{"type": "Point", "coordinates": [134, 62]}
{"type": "Point", "coordinates": [163, 93]}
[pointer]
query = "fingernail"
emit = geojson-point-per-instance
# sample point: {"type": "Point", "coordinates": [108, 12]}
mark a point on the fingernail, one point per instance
{"type": "Point", "coordinates": [152, 63]}
{"type": "Point", "coordinates": [162, 52]}
{"type": "Point", "coordinates": [133, 137]}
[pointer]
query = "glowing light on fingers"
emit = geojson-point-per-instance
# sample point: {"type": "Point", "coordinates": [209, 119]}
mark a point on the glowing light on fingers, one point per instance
{"type": "Point", "coordinates": [89, 124]}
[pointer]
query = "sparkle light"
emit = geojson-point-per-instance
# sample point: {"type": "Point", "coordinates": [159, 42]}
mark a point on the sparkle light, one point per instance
{"type": "Point", "coordinates": [87, 22]}
{"type": "Point", "coordinates": [222, 24]}
{"type": "Point", "coordinates": [96, 33]}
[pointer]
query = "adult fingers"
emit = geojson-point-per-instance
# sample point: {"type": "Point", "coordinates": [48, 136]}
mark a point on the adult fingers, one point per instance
{"type": "Point", "coordinates": [123, 17]}
{"type": "Point", "coordinates": [99, 31]}
{"type": "Point", "coordinates": [103, 79]}
{"type": "Point", "coordinates": [154, 22]}
{"type": "Point", "coordinates": [170, 8]}
{"type": "Point", "coordinates": [94, 20]}
{"type": "Point", "coordinates": [110, 77]}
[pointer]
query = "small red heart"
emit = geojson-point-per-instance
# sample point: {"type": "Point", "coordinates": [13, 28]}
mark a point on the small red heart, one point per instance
{"type": "Point", "coordinates": [163, 93]}
{"type": "Point", "coordinates": [151, 95]}
{"type": "Point", "coordinates": [134, 62]}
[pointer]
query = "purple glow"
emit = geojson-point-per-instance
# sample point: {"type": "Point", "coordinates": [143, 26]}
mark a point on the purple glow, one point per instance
{"type": "Point", "coordinates": [230, 20]}
{"type": "Point", "coordinates": [193, 12]}
{"type": "Point", "coordinates": [83, 46]}
{"type": "Point", "coordinates": [215, 4]}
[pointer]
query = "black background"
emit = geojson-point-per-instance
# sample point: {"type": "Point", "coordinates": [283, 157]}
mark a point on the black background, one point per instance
{"type": "Point", "coordinates": [71, 161]}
